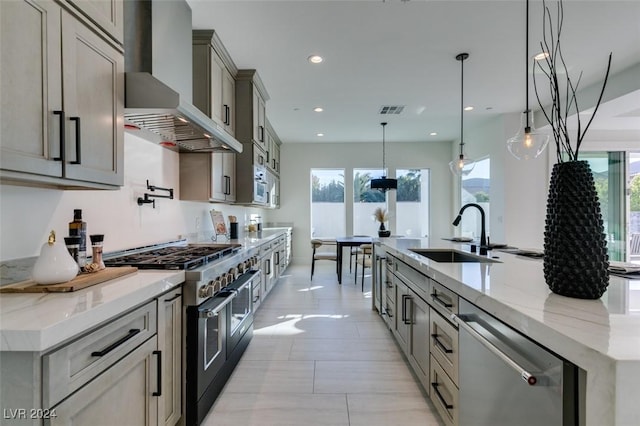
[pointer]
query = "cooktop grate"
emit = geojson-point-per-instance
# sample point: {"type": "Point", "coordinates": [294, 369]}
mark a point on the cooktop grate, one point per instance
{"type": "Point", "coordinates": [175, 257]}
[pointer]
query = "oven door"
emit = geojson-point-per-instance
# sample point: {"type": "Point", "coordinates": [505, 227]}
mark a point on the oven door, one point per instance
{"type": "Point", "coordinates": [241, 308]}
{"type": "Point", "coordinates": [206, 342]}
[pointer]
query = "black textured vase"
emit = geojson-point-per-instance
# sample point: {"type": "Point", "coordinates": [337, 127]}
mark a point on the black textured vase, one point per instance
{"type": "Point", "coordinates": [575, 246]}
{"type": "Point", "coordinates": [382, 231]}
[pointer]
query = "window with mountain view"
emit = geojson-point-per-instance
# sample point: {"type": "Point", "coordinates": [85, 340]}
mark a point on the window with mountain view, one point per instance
{"type": "Point", "coordinates": [476, 187]}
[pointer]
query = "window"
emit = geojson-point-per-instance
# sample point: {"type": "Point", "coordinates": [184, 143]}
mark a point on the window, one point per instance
{"type": "Point", "coordinates": [365, 201]}
{"type": "Point", "coordinates": [476, 187]}
{"type": "Point", "coordinates": [327, 203]}
{"type": "Point", "coordinates": [608, 175]}
{"type": "Point", "coordinates": [412, 202]}
{"type": "Point", "coordinates": [634, 208]}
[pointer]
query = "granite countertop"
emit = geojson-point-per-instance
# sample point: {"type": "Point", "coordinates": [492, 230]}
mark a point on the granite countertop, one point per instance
{"type": "Point", "coordinates": [40, 321]}
{"type": "Point", "coordinates": [601, 336]}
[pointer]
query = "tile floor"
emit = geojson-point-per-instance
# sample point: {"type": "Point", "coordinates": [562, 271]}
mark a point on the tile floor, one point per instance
{"type": "Point", "coordinates": [321, 356]}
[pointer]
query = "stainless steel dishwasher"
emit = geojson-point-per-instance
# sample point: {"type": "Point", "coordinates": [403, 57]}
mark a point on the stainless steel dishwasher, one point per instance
{"type": "Point", "coordinates": [507, 379]}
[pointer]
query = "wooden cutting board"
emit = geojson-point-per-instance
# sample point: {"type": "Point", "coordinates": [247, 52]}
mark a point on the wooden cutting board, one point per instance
{"type": "Point", "coordinates": [83, 280]}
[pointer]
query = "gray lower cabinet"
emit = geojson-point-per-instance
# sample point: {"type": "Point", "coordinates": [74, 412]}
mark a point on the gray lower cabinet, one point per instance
{"type": "Point", "coordinates": [70, 91]}
{"type": "Point", "coordinates": [120, 396]}
{"type": "Point", "coordinates": [109, 375]}
{"type": "Point", "coordinates": [170, 348]}
{"type": "Point", "coordinates": [412, 329]}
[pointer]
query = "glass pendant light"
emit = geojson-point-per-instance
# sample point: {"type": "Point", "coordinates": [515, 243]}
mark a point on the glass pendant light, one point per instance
{"type": "Point", "coordinates": [528, 143]}
{"type": "Point", "coordinates": [384, 184]}
{"type": "Point", "coordinates": [462, 166]}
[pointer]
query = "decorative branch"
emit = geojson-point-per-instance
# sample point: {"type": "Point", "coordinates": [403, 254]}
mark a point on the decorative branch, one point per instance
{"type": "Point", "coordinates": [557, 114]}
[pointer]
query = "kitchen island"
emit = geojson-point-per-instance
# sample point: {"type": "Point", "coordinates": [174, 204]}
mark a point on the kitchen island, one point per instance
{"type": "Point", "coordinates": [601, 337]}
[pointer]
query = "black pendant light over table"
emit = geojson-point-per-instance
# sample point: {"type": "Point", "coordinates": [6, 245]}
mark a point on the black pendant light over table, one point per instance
{"type": "Point", "coordinates": [461, 166]}
{"type": "Point", "coordinates": [384, 184]}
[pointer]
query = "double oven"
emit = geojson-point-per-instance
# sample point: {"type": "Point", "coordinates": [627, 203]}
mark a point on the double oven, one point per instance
{"type": "Point", "coordinates": [219, 294]}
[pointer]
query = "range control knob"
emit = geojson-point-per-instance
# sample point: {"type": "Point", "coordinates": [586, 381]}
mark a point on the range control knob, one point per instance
{"type": "Point", "coordinates": [206, 291]}
{"type": "Point", "coordinates": [241, 267]}
{"type": "Point", "coordinates": [217, 284]}
{"type": "Point", "coordinates": [233, 273]}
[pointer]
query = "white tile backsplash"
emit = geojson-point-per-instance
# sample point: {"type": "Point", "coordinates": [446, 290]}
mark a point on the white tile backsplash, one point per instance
{"type": "Point", "coordinates": [28, 214]}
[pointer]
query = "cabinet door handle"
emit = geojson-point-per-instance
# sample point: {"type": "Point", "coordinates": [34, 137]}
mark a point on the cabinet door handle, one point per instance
{"type": "Point", "coordinates": [78, 140]}
{"type": "Point", "coordinates": [404, 308]}
{"type": "Point", "coordinates": [261, 160]}
{"type": "Point", "coordinates": [261, 133]}
{"type": "Point", "coordinates": [440, 344]}
{"type": "Point", "coordinates": [268, 266]}
{"type": "Point", "coordinates": [436, 298]}
{"type": "Point", "coordinates": [62, 132]}
{"type": "Point", "coordinates": [117, 343]}
{"type": "Point", "coordinates": [440, 397]}
{"type": "Point", "coordinates": [226, 115]}
{"type": "Point", "coordinates": [227, 185]}
{"type": "Point", "coordinates": [158, 392]}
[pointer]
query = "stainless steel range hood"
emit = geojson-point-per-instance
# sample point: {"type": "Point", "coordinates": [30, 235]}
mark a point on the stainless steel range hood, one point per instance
{"type": "Point", "coordinates": [158, 80]}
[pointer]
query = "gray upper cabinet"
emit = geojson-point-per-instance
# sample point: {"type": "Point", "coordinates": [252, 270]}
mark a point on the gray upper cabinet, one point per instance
{"type": "Point", "coordinates": [214, 84]}
{"type": "Point", "coordinates": [251, 98]}
{"type": "Point", "coordinates": [208, 177]}
{"type": "Point", "coordinates": [108, 14]}
{"type": "Point", "coordinates": [272, 149]}
{"type": "Point", "coordinates": [61, 105]}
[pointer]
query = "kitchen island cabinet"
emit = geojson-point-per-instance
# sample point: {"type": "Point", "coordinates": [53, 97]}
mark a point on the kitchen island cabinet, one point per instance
{"type": "Point", "coordinates": [62, 104]}
{"type": "Point", "coordinates": [601, 337]}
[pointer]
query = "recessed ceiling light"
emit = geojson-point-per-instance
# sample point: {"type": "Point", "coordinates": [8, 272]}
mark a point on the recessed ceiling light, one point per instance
{"type": "Point", "coordinates": [540, 56]}
{"type": "Point", "coordinates": [318, 109]}
{"type": "Point", "coordinates": [433, 134]}
{"type": "Point", "coordinates": [315, 59]}
{"type": "Point", "coordinates": [320, 134]}
{"type": "Point", "coordinates": [468, 108]}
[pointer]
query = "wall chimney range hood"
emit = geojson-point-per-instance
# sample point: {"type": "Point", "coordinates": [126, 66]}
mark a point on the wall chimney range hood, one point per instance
{"type": "Point", "coordinates": [158, 80]}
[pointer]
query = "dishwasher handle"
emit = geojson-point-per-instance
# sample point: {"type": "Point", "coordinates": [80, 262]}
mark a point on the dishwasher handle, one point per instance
{"type": "Point", "coordinates": [528, 377]}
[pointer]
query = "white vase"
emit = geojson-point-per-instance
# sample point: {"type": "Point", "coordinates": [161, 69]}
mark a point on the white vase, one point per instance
{"type": "Point", "coordinates": [55, 264]}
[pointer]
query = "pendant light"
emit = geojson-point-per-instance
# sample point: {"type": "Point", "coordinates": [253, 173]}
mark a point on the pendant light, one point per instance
{"type": "Point", "coordinates": [461, 166]}
{"type": "Point", "coordinates": [528, 143]}
{"type": "Point", "coordinates": [384, 184]}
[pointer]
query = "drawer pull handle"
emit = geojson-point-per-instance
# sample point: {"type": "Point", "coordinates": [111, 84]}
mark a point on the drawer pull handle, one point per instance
{"type": "Point", "coordinates": [159, 366]}
{"type": "Point", "coordinates": [440, 345]}
{"type": "Point", "coordinates": [114, 345]}
{"type": "Point", "coordinates": [440, 397]}
{"type": "Point", "coordinates": [173, 298]}
{"type": "Point", "coordinates": [436, 298]}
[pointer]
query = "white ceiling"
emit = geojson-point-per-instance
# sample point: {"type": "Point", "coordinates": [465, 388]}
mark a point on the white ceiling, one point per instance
{"type": "Point", "coordinates": [403, 53]}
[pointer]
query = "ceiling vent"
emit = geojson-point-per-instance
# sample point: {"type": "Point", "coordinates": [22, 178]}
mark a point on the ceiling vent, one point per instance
{"type": "Point", "coordinates": [391, 109]}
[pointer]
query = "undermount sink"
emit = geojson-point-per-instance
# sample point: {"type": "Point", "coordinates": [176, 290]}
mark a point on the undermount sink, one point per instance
{"type": "Point", "coordinates": [451, 256]}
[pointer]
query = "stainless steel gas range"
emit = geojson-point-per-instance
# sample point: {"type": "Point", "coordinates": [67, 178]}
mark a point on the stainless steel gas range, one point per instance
{"type": "Point", "coordinates": [222, 282]}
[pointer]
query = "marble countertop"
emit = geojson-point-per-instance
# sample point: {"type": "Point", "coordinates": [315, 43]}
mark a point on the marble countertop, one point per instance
{"type": "Point", "coordinates": [600, 336]}
{"type": "Point", "coordinates": [40, 321]}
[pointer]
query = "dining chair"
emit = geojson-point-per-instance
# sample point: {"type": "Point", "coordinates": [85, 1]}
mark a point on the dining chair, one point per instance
{"type": "Point", "coordinates": [322, 254]}
{"type": "Point", "coordinates": [366, 261]}
{"type": "Point", "coordinates": [355, 251]}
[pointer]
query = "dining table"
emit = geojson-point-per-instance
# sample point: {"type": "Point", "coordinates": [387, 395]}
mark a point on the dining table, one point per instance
{"type": "Point", "coordinates": [349, 241]}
